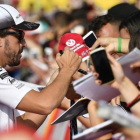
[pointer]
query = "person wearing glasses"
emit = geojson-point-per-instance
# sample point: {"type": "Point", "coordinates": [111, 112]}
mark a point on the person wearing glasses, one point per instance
{"type": "Point", "coordinates": [15, 95]}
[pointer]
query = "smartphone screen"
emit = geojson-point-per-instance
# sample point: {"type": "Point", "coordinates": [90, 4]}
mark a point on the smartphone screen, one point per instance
{"type": "Point", "coordinates": [90, 39]}
{"type": "Point", "coordinates": [102, 65]}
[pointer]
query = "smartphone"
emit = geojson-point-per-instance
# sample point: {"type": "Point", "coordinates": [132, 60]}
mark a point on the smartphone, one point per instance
{"type": "Point", "coordinates": [90, 39]}
{"type": "Point", "coordinates": [101, 64]}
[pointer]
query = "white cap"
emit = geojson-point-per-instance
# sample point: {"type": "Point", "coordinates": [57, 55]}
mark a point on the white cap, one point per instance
{"type": "Point", "coordinates": [10, 18]}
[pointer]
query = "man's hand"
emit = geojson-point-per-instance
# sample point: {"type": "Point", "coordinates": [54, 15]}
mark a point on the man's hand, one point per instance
{"type": "Point", "coordinates": [69, 60]}
{"type": "Point", "coordinates": [77, 74]}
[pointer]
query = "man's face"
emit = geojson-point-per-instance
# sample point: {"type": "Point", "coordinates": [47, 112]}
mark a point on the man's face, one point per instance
{"type": "Point", "coordinates": [109, 30]}
{"type": "Point", "coordinates": [13, 48]}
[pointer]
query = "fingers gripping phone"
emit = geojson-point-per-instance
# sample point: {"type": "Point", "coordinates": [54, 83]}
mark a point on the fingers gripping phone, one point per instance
{"type": "Point", "coordinates": [102, 66]}
{"type": "Point", "coordinates": [90, 39]}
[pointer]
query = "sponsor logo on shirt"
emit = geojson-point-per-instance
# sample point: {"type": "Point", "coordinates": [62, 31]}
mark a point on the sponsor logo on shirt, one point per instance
{"type": "Point", "coordinates": [20, 86]}
{"type": "Point", "coordinates": [11, 80]}
{"type": "Point", "coordinates": [4, 75]}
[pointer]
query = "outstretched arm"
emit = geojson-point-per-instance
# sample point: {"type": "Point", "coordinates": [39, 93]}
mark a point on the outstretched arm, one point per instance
{"type": "Point", "coordinates": [33, 120]}
{"type": "Point", "coordinates": [111, 44]}
{"type": "Point", "coordinates": [44, 102]}
{"type": "Point", "coordinates": [50, 97]}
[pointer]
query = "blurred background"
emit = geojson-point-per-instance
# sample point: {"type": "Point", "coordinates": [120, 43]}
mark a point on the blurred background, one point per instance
{"type": "Point", "coordinates": [56, 17]}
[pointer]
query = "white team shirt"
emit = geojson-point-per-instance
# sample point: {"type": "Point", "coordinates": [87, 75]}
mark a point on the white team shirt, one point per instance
{"type": "Point", "coordinates": [11, 93]}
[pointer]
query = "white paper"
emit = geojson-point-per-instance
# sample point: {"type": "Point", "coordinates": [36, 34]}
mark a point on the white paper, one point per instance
{"type": "Point", "coordinates": [118, 115]}
{"type": "Point", "coordinates": [77, 109]}
{"type": "Point", "coordinates": [89, 89]}
{"type": "Point", "coordinates": [94, 132]}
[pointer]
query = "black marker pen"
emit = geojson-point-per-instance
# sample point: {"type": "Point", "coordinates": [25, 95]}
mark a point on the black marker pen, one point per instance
{"type": "Point", "coordinates": [61, 52]}
{"type": "Point", "coordinates": [80, 70]}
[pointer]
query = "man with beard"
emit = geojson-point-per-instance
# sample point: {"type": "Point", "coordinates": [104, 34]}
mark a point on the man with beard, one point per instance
{"type": "Point", "coordinates": [15, 95]}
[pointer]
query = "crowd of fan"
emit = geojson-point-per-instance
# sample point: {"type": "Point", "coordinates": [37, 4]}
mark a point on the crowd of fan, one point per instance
{"type": "Point", "coordinates": [38, 59]}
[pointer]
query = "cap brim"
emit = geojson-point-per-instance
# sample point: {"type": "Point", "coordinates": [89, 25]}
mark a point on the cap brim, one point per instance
{"type": "Point", "coordinates": [27, 26]}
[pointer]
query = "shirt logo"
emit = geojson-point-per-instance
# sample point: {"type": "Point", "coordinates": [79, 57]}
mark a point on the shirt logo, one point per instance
{"type": "Point", "coordinates": [70, 42]}
{"type": "Point", "coordinates": [4, 75]}
{"type": "Point", "coordinates": [20, 86]}
{"type": "Point", "coordinates": [12, 80]}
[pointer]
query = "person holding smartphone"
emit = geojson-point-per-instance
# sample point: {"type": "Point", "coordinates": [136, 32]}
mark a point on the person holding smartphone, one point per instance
{"type": "Point", "coordinates": [122, 83]}
{"type": "Point", "coordinates": [128, 90]}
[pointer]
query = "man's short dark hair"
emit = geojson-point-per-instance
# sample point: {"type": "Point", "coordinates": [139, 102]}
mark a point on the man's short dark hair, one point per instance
{"type": "Point", "coordinates": [100, 21]}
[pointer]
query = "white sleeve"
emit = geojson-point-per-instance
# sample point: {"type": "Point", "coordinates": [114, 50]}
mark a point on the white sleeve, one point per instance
{"type": "Point", "coordinates": [18, 113]}
{"type": "Point", "coordinates": [12, 91]}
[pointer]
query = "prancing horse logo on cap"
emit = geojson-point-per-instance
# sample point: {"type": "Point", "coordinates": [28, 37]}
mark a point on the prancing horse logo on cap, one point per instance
{"type": "Point", "coordinates": [70, 42]}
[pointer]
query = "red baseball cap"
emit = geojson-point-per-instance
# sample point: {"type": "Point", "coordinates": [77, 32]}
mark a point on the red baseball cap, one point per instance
{"type": "Point", "coordinates": [75, 42]}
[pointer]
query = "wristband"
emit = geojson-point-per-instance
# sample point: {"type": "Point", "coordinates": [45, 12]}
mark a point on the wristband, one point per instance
{"type": "Point", "coordinates": [133, 102]}
{"type": "Point", "coordinates": [119, 44]}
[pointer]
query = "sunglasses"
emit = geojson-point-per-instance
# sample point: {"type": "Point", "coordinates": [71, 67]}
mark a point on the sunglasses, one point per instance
{"type": "Point", "coordinates": [18, 34]}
